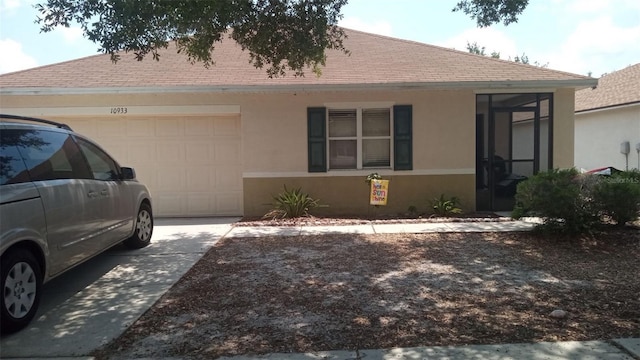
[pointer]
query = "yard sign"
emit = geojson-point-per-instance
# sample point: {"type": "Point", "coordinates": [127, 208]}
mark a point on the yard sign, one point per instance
{"type": "Point", "coordinates": [379, 192]}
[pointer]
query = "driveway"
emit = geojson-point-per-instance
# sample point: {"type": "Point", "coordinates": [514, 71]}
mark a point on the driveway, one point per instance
{"type": "Point", "coordinates": [95, 302]}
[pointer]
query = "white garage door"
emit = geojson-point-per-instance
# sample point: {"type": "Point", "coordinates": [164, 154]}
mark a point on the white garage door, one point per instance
{"type": "Point", "coordinates": [191, 164]}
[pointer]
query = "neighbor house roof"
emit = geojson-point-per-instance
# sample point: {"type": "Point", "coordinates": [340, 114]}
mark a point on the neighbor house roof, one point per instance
{"type": "Point", "coordinates": [375, 61]}
{"type": "Point", "coordinates": [618, 88]}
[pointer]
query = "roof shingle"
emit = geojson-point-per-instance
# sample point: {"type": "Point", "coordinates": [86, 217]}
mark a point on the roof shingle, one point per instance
{"type": "Point", "coordinates": [617, 88]}
{"type": "Point", "coordinates": [374, 59]}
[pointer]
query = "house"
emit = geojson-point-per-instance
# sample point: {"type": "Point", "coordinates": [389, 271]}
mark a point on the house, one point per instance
{"type": "Point", "coordinates": [608, 122]}
{"type": "Point", "coordinates": [224, 140]}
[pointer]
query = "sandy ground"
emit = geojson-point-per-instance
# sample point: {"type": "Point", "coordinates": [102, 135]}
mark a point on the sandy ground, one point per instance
{"type": "Point", "coordinates": [313, 293]}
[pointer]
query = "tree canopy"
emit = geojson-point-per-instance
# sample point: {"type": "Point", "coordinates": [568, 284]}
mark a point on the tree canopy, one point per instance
{"type": "Point", "coordinates": [281, 35]}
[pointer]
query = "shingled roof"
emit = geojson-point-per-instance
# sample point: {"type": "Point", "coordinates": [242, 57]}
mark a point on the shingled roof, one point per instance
{"type": "Point", "coordinates": [618, 88]}
{"type": "Point", "coordinates": [375, 61]}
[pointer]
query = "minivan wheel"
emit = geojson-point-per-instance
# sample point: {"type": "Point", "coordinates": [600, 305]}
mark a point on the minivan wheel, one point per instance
{"type": "Point", "coordinates": [144, 229]}
{"type": "Point", "coordinates": [21, 284]}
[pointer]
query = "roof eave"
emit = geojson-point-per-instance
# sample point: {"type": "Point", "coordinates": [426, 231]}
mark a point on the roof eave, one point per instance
{"type": "Point", "coordinates": [503, 84]}
{"type": "Point", "coordinates": [608, 107]}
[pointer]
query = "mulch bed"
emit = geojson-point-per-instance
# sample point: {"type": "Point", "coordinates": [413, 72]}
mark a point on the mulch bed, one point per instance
{"type": "Point", "coordinates": [328, 292]}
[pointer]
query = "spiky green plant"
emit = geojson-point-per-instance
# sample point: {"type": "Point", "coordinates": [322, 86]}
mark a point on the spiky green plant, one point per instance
{"type": "Point", "coordinates": [291, 204]}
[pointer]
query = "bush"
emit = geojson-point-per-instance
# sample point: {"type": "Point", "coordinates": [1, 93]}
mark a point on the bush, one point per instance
{"type": "Point", "coordinates": [291, 204]}
{"type": "Point", "coordinates": [443, 206]}
{"type": "Point", "coordinates": [618, 197]}
{"type": "Point", "coordinates": [562, 198]}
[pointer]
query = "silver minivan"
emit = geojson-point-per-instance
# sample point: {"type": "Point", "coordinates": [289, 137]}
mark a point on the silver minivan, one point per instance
{"type": "Point", "coordinates": [63, 200]}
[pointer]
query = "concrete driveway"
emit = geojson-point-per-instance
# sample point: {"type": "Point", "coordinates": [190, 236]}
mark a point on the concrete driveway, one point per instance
{"type": "Point", "coordinates": [95, 302]}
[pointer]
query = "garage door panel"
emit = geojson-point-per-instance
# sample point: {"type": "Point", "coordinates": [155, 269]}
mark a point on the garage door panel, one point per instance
{"type": "Point", "coordinates": [199, 180]}
{"type": "Point", "coordinates": [171, 179]}
{"type": "Point", "coordinates": [198, 152]}
{"type": "Point", "coordinates": [141, 152]}
{"type": "Point", "coordinates": [169, 204]}
{"type": "Point", "coordinates": [170, 152]}
{"type": "Point", "coordinates": [143, 128]}
{"type": "Point", "coordinates": [199, 127]}
{"type": "Point", "coordinates": [192, 165]}
{"type": "Point", "coordinates": [169, 127]}
{"type": "Point", "coordinates": [199, 203]}
{"type": "Point", "coordinates": [111, 127]}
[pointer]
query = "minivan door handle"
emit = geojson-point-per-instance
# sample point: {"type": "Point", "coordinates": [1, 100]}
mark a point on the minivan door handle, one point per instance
{"type": "Point", "coordinates": [104, 192]}
{"type": "Point", "coordinates": [92, 194]}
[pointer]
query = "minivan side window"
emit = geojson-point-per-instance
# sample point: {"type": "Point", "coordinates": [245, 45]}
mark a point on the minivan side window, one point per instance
{"type": "Point", "coordinates": [102, 165]}
{"type": "Point", "coordinates": [12, 168]}
{"type": "Point", "coordinates": [51, 155]}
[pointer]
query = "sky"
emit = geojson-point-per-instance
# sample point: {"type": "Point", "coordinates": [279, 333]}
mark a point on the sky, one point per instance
{"type": "Point", "coordinates": [588, 37]}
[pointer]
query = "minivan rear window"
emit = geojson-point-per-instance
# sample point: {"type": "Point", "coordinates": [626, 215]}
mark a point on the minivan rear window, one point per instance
{"type": "Point", "coordinates": [51, 155]}
{"type": "Point", "coordinates": [12, 168]}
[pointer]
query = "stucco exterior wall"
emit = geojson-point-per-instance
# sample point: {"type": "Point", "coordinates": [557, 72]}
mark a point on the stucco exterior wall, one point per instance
{"type": "Point", "coordinates": [274, 141]}
{"type": "Point", "coordinates": [598, 136]}
{"type": "Point", "coordinates": [563, 128]}
{"type": "Point", "coordinates": [349, 195]}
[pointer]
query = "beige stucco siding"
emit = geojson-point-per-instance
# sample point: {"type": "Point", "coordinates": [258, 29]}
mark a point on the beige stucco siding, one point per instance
{"type": "Point", "coordinates": [563, 128]}
{"type": "Point", "coordinates": [273, 137]}
{"type": "Point", "coordinates": [275, 127]}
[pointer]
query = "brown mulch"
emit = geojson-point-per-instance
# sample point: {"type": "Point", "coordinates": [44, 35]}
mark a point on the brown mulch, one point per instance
{"type": "Point", "coordinates": [311, 220]}
{"type": "Point", "coordinates": [328, 292]}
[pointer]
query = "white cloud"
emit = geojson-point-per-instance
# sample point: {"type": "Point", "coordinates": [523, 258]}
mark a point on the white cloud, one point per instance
{"type": "Point", "coordinates": [71, 34]}
{"type": "Point", "coordinates": [13, 58]}
{"type": "Point", "coordinates": [600, 6]}
{"type": "Point", "coordinates": [592, 46]}
{"type": "Point", "coordinates": [375, 27]}
{"type": "Point", "coordinates": [13, 5]}
{"type": "Point", "coordinates": [489, 38]}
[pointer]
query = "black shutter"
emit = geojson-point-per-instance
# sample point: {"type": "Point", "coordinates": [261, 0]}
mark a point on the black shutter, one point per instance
{"type": "Point", "coordinates": [317, 139]}
{"type": "Point", "coordinates": [402, 137]}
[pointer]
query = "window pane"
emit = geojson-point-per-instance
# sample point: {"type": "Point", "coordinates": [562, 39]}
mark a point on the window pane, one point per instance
{"type": "Point", "coordinates": [102, 166]}
{"type": "Point", "coordinates": [52, 155]}
{"type": "Point", "coordinates": [376, 153]}
{"type": "Point", "coordinates": [12, 169]}
{"type": "Point", "coordinates": [343, 154]}
{"type": "Point", "coordinates": [342, 123]}
{"type": "Point", "coordinates": [375, 122]}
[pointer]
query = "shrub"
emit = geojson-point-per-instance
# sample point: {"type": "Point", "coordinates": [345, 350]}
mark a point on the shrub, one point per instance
{"type": "Point", "coordinates": [444, 206]}
{"type": "Point", "coordinates": [562, 198]}
{"type": "Point", "coordinates": [618, 197]}
{"type": "Point", "coordinates": [291, 204]}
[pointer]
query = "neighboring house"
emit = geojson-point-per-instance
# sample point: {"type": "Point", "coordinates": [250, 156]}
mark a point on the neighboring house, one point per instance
{"type": "Point", "coordinates": [224, 140]}
{"type": "Point", "coordinates": [606, 117]}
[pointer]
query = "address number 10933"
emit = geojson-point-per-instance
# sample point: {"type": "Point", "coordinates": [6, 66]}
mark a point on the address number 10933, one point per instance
{"type": "Point", "coordinates": [118, 110]}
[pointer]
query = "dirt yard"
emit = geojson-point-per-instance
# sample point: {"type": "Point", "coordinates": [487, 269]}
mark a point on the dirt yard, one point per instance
{"type": "Point", "coordinates": [300, 294]}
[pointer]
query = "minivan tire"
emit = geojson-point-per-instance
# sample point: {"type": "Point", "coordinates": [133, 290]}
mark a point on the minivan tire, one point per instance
{"type": "Point", "coordinates": [21, 281]}
{"type": "Point", "coordinates": [143, 229]}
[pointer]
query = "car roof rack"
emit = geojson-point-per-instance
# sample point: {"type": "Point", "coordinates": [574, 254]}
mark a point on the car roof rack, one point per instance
{"type": "Point", "coordinates": [27, 118]}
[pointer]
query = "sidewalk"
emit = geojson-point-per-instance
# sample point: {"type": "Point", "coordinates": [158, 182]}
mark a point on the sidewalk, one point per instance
{"type": "Point", "coordinates": [525, 224]}
{"type": "Point", "coordinates": [619, 349]}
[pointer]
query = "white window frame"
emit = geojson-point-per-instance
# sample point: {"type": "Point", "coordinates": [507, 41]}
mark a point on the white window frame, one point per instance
{"type": "Point", "coordinates": [359, 107]}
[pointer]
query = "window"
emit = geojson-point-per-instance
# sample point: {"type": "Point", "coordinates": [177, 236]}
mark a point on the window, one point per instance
{"type": "Point", "coordinates": [359, 138]}
{"type": "Point", "coordinates": [50, 155]}
{"type": "Point", "coordinates": [12, 169]}
{"type": "Point", "coordinates": [101, 164]}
